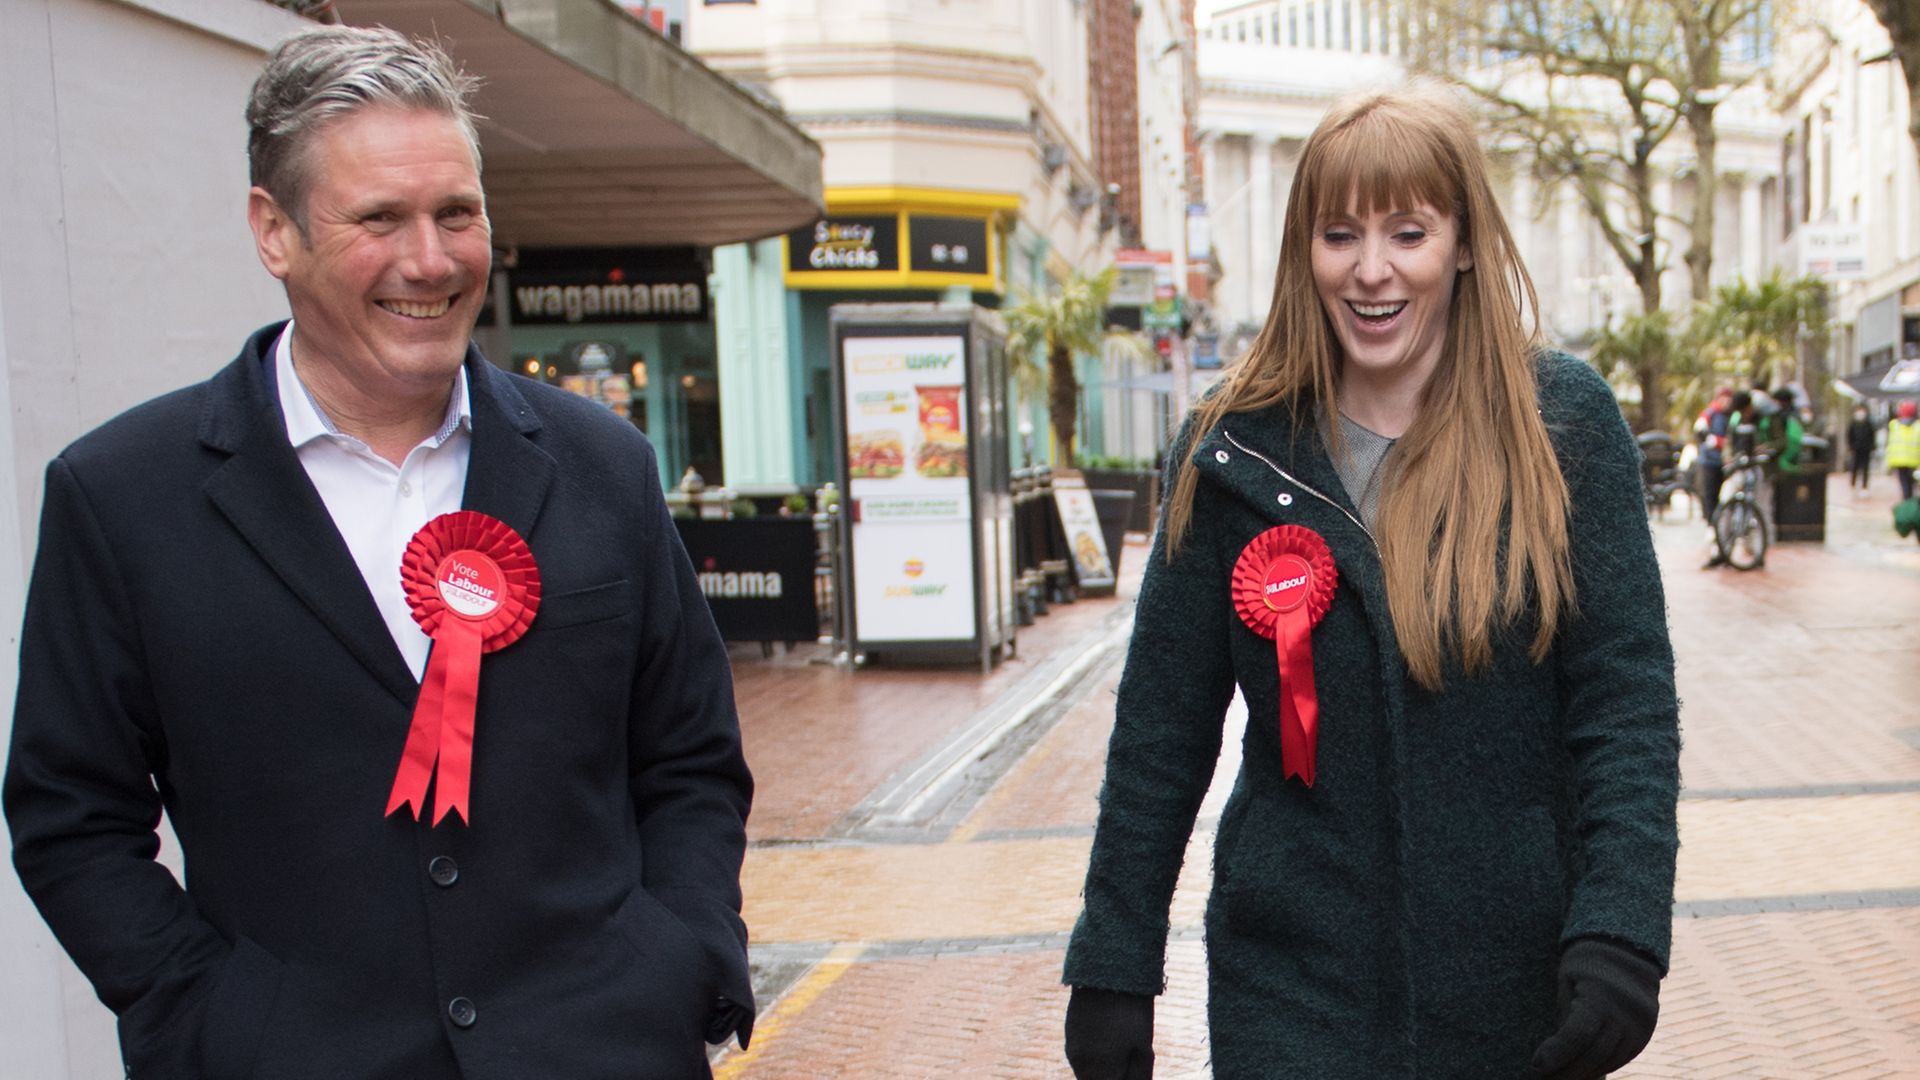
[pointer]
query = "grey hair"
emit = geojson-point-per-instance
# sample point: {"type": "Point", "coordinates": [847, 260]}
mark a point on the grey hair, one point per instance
{"type": "Point", "coordinates": [325, 74]}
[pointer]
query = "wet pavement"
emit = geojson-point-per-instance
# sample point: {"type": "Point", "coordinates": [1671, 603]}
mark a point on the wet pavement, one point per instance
{"type": "Point", "coordinates": [919, 836]}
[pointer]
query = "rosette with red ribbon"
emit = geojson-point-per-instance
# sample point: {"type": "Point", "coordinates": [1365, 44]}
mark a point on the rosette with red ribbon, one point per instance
{"type": "Point", "coordinates": [1282, 585]}
{"type": "Point", "coordinates": [474, 589]}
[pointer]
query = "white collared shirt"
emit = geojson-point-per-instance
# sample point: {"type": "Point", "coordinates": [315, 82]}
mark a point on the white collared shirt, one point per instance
{"type": "Point", "coordinates": [376, 506]}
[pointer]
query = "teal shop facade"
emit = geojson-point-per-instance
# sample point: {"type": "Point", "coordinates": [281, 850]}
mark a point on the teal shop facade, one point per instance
{"type": "Point", "coordinates": [876, 245]}
{"type": "Point", "coordinates": [631, 328]}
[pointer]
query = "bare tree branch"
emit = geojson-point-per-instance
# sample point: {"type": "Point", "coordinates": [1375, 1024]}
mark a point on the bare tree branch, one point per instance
{"type": "Point", "coordinates": [1592, 89]}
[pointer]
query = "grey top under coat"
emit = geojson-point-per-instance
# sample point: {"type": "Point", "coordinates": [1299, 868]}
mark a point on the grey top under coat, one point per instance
{"type": "Point", "coordinates": [1360, 457]}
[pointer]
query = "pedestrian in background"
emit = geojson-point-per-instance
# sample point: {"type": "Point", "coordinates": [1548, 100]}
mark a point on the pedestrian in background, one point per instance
{"type": "Point", "coordinates": [1782, 432]}
{"type": "Point", "coordinates": [1741, 423]}
{"type": "Point", "coordinates": [1860, 441]}
{"type": "Point", "coordinates": [1764, 403]}
{"type": "Point", "coordinates": [1903, 446]}
{"type": "Point", "coordinates": [1710, 431]}
{"type": "Point", "coordinates": [218, 628]}
{"type": "Point", "coordinates": [1416, 541]}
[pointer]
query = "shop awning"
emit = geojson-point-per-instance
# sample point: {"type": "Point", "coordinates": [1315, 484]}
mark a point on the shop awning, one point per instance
{"type": "Point", "coordinates": [1892, 381]}
{"type": "Point", "coordinates": [599, 131]}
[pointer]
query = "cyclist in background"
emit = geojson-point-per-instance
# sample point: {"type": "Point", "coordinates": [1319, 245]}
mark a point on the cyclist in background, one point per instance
{"type": "Point", "coordinates": [1738, 442]}
{"type": "Point", "coordinates": [1740, 527]}
{"type": "Point", "coordinates": [1710, 431]}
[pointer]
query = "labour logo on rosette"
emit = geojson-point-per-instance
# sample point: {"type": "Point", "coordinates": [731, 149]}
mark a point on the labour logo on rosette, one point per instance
{"type": "Point", "coordinates": [473, 587]}
{"type": "Point", "coordinates": [1282, 585]}
{"type": "Point", "coordinates": [470, 584]}
{"type": "Point", "coordinates": [1289, 584]}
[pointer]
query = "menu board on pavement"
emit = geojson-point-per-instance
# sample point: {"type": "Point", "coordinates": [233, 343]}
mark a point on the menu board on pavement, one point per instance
{"type": "Point", "coordinates": [1086, 544]}
{"type": "Point", "coordinates": [912, 513]}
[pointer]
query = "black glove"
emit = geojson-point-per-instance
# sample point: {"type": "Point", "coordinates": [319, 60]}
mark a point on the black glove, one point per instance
{"type": "Point", "coordinates": [727, 1019]}
{"type": "Point", "coordinates": [1109, 1035]}
{"type": "Point", "coordinates": [1609, 1000]}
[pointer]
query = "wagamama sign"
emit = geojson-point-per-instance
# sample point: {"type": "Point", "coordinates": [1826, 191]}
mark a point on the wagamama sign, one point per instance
{"type": "Point", "coordinates": [615, 302]}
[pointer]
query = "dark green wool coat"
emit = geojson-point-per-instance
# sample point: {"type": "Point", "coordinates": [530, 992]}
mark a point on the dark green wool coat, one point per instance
{"type": "Point", "coordinates": [1403, 917]}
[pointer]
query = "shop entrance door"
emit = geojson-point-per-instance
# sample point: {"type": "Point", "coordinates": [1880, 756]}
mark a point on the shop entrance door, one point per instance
{"type": "Point", "coordinates": [700, 405]}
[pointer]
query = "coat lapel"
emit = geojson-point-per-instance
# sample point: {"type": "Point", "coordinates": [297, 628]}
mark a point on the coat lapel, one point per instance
{"type": "Point", "coordinates": [508, 475]}
{"type": "Point", "coordinates": [1300, 448]}
{"type": "Point", "coordinates": [1302, 451]}
{"type": "Point", "coordinates": [1277, 443]}
{"type": "Point", "coordinates": [264, 491]}
{"type": "Point", "coordinates": [1317, 497]}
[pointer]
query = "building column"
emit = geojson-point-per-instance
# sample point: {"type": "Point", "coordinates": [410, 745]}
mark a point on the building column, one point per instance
{"type": "Point", "coordinates": [1520, 214]}
{"type": "Point", "coordinates": [1671, 246]}
{"type": "Point", "coordinates": [1261, 231]}
{"type": "Point", "coordinates": [757, 387]}
{"type": "Point", "coordinates": [1750, 226]}
{"type": "Point", "coordinates": [1226, 222]}
{"type": "Point", "coordinates": [1904, 242]}
{"type": "Point", "coordinates": [1574, 242]}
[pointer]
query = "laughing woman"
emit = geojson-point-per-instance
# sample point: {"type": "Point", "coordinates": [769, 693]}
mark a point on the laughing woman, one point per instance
{"type": "Point", "coordinates": [1415, 540]}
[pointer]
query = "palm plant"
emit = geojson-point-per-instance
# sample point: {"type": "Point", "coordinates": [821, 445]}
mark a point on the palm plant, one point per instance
{"type": "Point", "coordinates": [1759, 324]}
{"type": "Point", "coordinates": [1642, 350]}
{"type": "Point", "coordinates": [1045, 332]}
{"type": "Point", "coordinates": [1758, 329]}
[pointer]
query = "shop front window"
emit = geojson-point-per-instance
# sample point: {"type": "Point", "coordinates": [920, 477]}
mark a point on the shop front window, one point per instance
{"type": "Point", "coordinates": [629, 329]}
{"type": "Point", "coordinates": [660, 377]}
{"type": "Point", "coordinates": [700, 423]}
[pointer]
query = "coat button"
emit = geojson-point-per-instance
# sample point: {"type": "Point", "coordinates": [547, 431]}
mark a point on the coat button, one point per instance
{"type": "Point", "coordinates": [1286, 499]}
{"type": "Point", "coordinates": [443, 871]}
{"type": "Point", "coordinates": [1220, 456]}
{"type": "Point", "coordinates": [462, 1012]}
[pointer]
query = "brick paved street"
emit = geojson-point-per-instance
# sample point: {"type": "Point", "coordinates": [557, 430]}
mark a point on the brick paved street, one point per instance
{"type": "Point", "coordinates": [919, 837]}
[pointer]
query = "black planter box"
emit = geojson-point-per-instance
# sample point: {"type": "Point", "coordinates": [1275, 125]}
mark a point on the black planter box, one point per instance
{"type": "Point", "coordinates": [1114, 507]}
{"type": "Point", "coordinates": [1145, 485]}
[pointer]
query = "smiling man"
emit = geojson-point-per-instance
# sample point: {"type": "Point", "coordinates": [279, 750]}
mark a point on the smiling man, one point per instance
{"type": "Point", "coordinates": [230, 619]}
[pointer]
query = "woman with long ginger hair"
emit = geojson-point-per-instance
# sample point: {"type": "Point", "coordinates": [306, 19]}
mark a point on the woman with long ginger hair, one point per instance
{"type": "Point", "coordinates": [1414, 538]}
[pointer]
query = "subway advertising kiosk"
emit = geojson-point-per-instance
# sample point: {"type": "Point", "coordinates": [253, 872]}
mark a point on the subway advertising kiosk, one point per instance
{"type": "Point", "coordinates": [921, 427]}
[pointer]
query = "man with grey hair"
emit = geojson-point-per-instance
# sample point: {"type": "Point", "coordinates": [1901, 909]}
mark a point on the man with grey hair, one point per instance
{"type": "Point", "coordinates": [357, 566]}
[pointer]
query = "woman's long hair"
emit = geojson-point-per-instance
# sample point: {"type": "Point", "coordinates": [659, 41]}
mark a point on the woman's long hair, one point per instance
{"type": "Point", "coordinates": [1477, 456]}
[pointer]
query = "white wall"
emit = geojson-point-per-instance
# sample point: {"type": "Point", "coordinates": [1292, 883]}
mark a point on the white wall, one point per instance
{"type": "Point", "coordinates": [125, 270]}
{"type": "Point", "coordinates": [1163, 170]}
{"type": "Point", "coordinates": [1859, 113]}
{"type": "Point", "coordinates": [926, 93]}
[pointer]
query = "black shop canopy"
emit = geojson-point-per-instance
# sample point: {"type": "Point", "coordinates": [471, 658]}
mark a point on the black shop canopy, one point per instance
{"type": "Point", "coordinates": [601, 132]}
{"type": "Point", "coordinates": [1895, 381]}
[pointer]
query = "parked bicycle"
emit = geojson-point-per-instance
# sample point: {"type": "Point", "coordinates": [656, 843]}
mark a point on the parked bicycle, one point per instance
{"type": "Point", "coordinates": [1741, 526]}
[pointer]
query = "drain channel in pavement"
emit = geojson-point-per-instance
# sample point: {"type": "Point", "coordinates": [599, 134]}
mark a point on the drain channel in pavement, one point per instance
{"type": "Point", "coordinates": [926, 800]}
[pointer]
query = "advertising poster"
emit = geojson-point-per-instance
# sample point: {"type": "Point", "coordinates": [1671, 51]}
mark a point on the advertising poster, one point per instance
{"type": "Point", "coordinates": [1086, 544]}
{"type": "Point", "coordinates": [912, 514]}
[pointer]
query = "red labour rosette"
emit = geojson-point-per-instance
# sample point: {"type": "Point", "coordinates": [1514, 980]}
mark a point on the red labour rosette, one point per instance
{"type": "Point", "coordinates": [1282, 585]}
{"type": "Point", "coordinates": [473, 587]}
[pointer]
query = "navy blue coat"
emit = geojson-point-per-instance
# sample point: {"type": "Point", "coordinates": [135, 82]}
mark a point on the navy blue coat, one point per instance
{"type": "Point", "coordinates": [1404, 917]}
{"type": "Point", "coordinates": [198, 638]}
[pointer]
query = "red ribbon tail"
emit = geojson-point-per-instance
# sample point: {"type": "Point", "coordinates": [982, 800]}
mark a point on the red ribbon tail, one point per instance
{"type": "Point", "coordinates": [1299, 702]}
{"type": "Point", "coordinates": [423, 741]}
{"type": "Point", "coordinates": [461, 641]}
